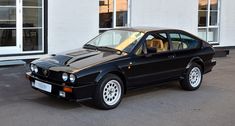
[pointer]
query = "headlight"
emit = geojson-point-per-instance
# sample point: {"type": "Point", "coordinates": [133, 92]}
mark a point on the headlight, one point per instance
{"type": "Point", "coordinates": [33, 68]}
{"type": "Point", "coordinates": [65, 76]}
{"type": "Point", "coordinates": [72, 78]}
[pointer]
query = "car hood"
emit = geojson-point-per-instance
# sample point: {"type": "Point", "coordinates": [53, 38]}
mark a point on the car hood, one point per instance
{"type": "Point", "coordinates": [76, 59]}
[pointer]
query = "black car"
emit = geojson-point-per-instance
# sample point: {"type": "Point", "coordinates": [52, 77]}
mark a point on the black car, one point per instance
{"type": "Point", "coordinates": [122, 59]}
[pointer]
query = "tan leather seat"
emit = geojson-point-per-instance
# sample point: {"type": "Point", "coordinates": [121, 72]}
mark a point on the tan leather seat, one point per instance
{"type": "Point", "coordinates": [156, 43]}
{"type": "Point", "coordinates": [166, 45]}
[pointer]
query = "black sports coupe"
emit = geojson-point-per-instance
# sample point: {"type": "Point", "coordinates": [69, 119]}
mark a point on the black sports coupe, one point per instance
{"type": "Point", "coordinates": [122, 59]}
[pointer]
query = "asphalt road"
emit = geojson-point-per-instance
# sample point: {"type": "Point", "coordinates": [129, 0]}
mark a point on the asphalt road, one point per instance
{"type": "Point", "coordinates": [212, 105]}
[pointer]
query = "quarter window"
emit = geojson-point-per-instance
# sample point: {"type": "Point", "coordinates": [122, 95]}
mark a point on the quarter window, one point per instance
{"type": "Point", "coordinates": [181, 42]}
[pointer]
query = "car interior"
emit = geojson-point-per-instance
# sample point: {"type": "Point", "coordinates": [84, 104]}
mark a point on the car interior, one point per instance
{"type": "Point", "coordinates": [158, 42]}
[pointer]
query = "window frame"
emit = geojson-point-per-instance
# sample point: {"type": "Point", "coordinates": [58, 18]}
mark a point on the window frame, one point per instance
{"type": "Point", "coordinates": [208, 26]}
{"type": "Point", "coordinates": [114, 21]}
{"type": "Point", "coordinates": [142, 43]}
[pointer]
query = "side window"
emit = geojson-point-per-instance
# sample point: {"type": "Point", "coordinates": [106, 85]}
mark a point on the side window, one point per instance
{"type": "Point", "coordinates": [182, 41]}
{"type": "Point", "coordinates": [177, 44]}
{"type": "Point", "coordinates": [190, 42]}
{"type": "Point", "coordinates": [155, 43]}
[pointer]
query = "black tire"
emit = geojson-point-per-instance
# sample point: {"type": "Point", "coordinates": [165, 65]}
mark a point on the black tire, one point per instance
{"type": "Point", "coordinates": [188, 85]}
{"type": "Point", "coordinates": [101, 100]}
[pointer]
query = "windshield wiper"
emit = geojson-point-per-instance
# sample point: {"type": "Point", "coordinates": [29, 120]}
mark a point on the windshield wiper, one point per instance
{"type": "Point", "coordinates": [89, 46]}
{"type": "Point", "coordinates": [106, 48]}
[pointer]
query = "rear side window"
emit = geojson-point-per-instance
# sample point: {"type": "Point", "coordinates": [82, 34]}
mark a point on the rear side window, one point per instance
{"type": "Point", "coordinates": [182, 41]}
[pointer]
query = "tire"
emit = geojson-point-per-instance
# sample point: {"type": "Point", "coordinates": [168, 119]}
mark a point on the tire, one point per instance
{"type": "Point", "coordinates": [193, 78]}
{"type": "Point", "coordinates": [109, 92]}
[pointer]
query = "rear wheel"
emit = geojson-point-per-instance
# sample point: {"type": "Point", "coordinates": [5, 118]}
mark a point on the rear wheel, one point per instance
{"type": "Point", "coordinates": [193, 78]}
{"type": "Point", "coordinates": [109, 92]}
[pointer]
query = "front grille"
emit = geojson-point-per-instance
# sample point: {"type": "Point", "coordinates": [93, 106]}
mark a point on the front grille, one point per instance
{"type": "Point", "coordinates": [50, 75]}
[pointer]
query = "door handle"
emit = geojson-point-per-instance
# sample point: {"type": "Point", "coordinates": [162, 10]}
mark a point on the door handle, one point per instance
{"type": "Point", "coordinates": [171, 56]}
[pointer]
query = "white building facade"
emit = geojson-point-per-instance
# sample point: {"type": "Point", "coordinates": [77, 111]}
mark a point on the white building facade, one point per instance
{"type": "Point", "coordinates": [37, 27]}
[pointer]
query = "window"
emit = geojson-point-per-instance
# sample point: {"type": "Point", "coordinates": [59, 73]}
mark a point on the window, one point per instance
{"type": "Point", "coordinates": [32, 25]}
{"type": "Point", "coordinates": [21, 26]}
{"type": "Point", "coordinates": [117, 39]}
{"type": "Point", "coordinates": [181, 42]}
{"type": "Point", "coordinates": [208, 20]}
{"type": "Point", "coordinates": [113, 13]}
{"type": "Point", "coordinates": [155, 43]}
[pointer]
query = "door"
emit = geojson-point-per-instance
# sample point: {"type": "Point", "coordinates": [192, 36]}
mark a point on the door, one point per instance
{"type": "Point", "coordinates": [21, 26]}
{"type": "Point", "coordinates": [154, 66]}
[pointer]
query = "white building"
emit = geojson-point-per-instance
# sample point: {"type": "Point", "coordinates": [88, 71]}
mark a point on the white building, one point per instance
{"type": "Point", "coordinates": [37, 27]}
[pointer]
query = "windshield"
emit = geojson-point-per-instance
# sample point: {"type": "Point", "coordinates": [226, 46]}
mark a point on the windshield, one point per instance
{"type": "Point", "coordinates": [117, 39]}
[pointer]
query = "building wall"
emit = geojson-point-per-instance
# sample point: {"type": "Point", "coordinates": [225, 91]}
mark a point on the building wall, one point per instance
{"type": "Point", "coordinates": [181, 14]}
{"type": "Point", "coordinates": [71, 23]}
{"type": "Point", "coordinates": [227, 23]}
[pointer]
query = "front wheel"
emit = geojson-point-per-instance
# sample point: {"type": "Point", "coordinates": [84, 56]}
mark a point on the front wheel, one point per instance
{"type": "Point", "coordinates": [109, 92]}
{"type": "Point", "coordinates": [193, 78]}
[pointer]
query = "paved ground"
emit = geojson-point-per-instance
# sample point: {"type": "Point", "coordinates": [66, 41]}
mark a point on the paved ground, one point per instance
{"type": "Point", "coordinates": [212, 105]}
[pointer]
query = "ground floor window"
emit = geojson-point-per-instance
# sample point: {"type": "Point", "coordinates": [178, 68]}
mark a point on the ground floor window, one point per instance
{"type": "Point", "coordinates": [21, 26]}
{"type": "Point", "coordinates": [208, 20]}
{"type": "Point", "coordinates": [113, 14]}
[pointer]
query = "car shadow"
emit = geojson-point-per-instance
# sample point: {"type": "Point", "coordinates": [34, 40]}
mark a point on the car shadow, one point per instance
{"type": "Point", "coordinates": [67, 105]}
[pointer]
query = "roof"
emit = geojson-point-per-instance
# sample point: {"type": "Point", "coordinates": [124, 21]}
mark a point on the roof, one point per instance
{"type": "Point", "coordinates": [143, 29]}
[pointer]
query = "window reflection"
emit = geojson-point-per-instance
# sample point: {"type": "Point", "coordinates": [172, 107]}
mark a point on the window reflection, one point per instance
{"type": "Point", "coordinates": [122, 7]}
{"type": "Point", "coordinates": [7, 17]}
{"type": "Point", "coordinates": [214, 5]}
{"type": "Point", "coordinates": [7, 37]}
{"type": "Point", "coordinates": [32, 39]}
{"type": "Point", "coordinates": [202, 18]}
{"type": "Point", "coordinates": [7, 2]}
{"type": "Point", "coordinates": [32, 2]}
{"type": "Point", "coordinates": [32, 17]}
{"type": "Point", "coordinates": [106, 13]}
{"type": "Point", "coordinates": [203, 4]}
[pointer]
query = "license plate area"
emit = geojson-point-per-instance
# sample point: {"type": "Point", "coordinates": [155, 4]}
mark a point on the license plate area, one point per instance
{"type": "Point", "coordinates": [42, 86]}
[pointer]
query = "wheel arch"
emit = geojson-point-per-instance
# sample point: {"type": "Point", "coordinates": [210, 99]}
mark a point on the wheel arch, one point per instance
{"type": "Point", "coordinates": [116, 72]}
{"type": "Point", "coordinates": [197, 60]}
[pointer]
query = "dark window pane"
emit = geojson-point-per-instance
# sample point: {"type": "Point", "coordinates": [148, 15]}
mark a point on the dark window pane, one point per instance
{"type": "Point", "coordinates": [7, 2]}
{"type": "Point", "coordinates": [106, 13]}
{"type": "Point", "coordinates": [122, 7]}
{"type": "Point", "coordinates": [32, 2]}
{"type": "Point", "coordinates": [214, 5]}
{"type": "Point", "coordinates": [203, 4]}
{"type": "Point", "coordinates": [202, 18]}
{"type": "Point", "coordinates": [7, 37]}
{"type": "Point", "coordinates": [32, 17]}
{"type": "Point", "coordinates": [7, 17]}
{"type": "Point", "coordinates": [32, 39]}
{"type": "Point", "coordinates": [213, 17]}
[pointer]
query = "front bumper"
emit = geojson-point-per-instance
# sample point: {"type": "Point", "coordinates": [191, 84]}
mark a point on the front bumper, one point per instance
{"type": "Point", "coordinates": [78, 93]}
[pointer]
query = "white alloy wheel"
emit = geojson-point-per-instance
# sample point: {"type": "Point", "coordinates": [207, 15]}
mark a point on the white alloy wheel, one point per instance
{"type": "Point", "coordinates": [112, 92]}
{"type": "Point", "coordinates": [195, 77]}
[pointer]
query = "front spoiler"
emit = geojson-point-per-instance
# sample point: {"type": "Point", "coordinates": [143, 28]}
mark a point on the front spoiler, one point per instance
{"type": "Point", "coordinates": [78, 94]}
